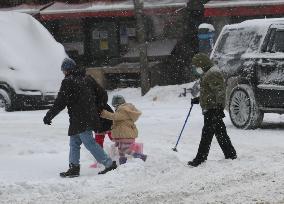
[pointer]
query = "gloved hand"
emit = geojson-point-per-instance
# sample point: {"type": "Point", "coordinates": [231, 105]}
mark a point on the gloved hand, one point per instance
{"type": "Point", "coordinates": [46, 121]}
{"type": "Point", "coordinates": [195, 100]}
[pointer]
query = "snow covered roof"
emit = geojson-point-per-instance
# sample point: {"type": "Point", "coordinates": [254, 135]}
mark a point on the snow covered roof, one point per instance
{"type": "Point", "coordinates": [25, 8]}
{"type": "Point", "coordinates": [258, 22]}
{"type": "Point", "coordinates": [244, 7]}
{"type": "Point", "coordinates": [206, 26]}
{"type": "Point", "coordinates": [234, 3]}
{"type": "Point", "coordinates": [99, 8]}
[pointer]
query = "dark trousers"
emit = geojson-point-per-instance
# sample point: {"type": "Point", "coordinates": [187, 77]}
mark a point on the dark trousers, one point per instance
{"type": "Point", "coordinates": [214, 125]}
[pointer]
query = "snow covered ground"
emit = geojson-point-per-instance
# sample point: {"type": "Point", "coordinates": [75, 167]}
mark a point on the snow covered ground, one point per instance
{"type": "Point", "coordinates": [32, 155]}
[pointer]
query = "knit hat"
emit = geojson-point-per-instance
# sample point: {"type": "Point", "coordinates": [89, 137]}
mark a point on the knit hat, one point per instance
{"type": "Point", "coordinates": [117, 100]}
{"type": "Point", "coordinates": [203, 61]}
{"type": "Point", "coordinates": [68, 64]}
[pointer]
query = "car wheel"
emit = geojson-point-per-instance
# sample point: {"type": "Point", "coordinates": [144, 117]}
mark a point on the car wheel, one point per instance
{"type": "Point", "coordinates": [5, 100]}
{"type": "Point", "coordinates": [243, 108]}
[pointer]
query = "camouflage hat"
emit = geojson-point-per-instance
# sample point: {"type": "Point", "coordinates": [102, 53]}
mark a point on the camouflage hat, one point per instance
{"type": "Point", "coordinates": [203, 61]}
{"type": "Point", "coordinates": [117, 100]}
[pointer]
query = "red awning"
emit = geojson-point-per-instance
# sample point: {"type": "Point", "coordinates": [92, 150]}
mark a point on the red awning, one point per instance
{"type": "Point", "coordinates": [108, 9]}
{"type": "Point", "coordinates": [244, 8]}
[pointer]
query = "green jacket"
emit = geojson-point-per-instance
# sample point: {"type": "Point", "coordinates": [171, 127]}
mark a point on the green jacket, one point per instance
{"type": "Point", "coordinates": [212, 89]}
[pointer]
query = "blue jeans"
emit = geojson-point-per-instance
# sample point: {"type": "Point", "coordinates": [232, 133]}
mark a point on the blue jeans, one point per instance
{"type": "Point", "coordinates": [89, 142]}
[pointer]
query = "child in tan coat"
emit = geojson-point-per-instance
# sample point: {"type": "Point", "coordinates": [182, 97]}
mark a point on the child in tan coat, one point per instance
{"type": "Point", "coordinates": [124, 131]}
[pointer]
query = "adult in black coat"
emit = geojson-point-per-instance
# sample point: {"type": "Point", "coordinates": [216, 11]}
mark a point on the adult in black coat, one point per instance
{"type": "Point", "coordinates": [77, 93]}
{"type": "Point", "coordinates": [101, 103]}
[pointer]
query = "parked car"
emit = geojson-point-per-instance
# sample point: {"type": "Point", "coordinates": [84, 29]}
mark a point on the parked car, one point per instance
{"type": "Point", "coordinates": [30, 61]}
{"type": "Point", "coordinates": [251, 55]}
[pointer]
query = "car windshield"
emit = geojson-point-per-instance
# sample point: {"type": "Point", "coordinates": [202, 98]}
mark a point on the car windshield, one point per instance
{"type": "Point", "coordinates": [238, 41]}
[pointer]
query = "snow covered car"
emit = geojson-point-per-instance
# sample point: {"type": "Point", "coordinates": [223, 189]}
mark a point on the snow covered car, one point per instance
{"type": "Point", "coordinates": [251, 55]}
{"type": "Point", "coordinates": [30, 61]}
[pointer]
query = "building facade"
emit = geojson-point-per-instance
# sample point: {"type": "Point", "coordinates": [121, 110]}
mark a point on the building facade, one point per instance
{"type": "Point", "coordinates": [103, 33]}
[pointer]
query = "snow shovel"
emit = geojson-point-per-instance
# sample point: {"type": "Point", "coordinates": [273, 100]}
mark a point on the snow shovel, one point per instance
{"type": "Point", "coordinates": [175, 148]}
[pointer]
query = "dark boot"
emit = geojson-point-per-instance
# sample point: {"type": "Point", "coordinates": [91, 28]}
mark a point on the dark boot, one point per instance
{"type": "Point", "coordinates": [140, 156]}
{"type": "Point", "coordinates": [73, 171]}
{"type": "Point", "coordinates": [107, 169]}
{"type": "Point", "coordinates": [231, 157]}
{"type": "Point", "coordinates": [194, 163]}
{"type": "Point", "coordinates": [122, 160]}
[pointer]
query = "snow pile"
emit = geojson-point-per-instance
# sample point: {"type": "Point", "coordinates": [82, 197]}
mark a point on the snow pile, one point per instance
{"type": "Point", "coordinates": [30, 58]}
{"type": "Point", "coordinates": [32, 155]}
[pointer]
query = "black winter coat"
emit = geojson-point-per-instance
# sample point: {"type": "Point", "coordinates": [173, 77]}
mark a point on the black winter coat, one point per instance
{"type": "Point", "coordinates": [78, 95]}
{"type": "Point", "coordinates": [101, 102]}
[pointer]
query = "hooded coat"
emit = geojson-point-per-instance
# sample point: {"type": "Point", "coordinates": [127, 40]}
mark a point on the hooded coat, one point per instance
{"type": "Point", "coordinates": [212, 83]}
{"type": "Point", "coordinates": [77, 94]}
{"type": "Point", "coordinates": [212, 90]}
{"type": "Point", "coordinates": [123, 121]}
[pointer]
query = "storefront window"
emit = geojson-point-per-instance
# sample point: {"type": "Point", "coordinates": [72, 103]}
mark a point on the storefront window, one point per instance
{"type": "Point", "coordinates": [71, 35]}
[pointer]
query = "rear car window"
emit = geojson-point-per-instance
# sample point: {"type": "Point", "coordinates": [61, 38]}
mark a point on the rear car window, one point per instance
{"type": "Point", "coordinates": [238, 41]}
{"type": "Point", "coordinates": [278, 42]}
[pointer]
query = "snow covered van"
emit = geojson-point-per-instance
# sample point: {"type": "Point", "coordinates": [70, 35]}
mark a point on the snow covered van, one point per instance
{"type": "Point", "coordinates": [251, 55]}
{"type": "Point", "coordinates": [30, 61]}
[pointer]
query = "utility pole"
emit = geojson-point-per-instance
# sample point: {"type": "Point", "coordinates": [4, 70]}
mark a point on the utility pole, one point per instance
{"type": "Point", "coordinates": [194, 17]}
{"type": "Point", "coordinates": [140, 28]}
